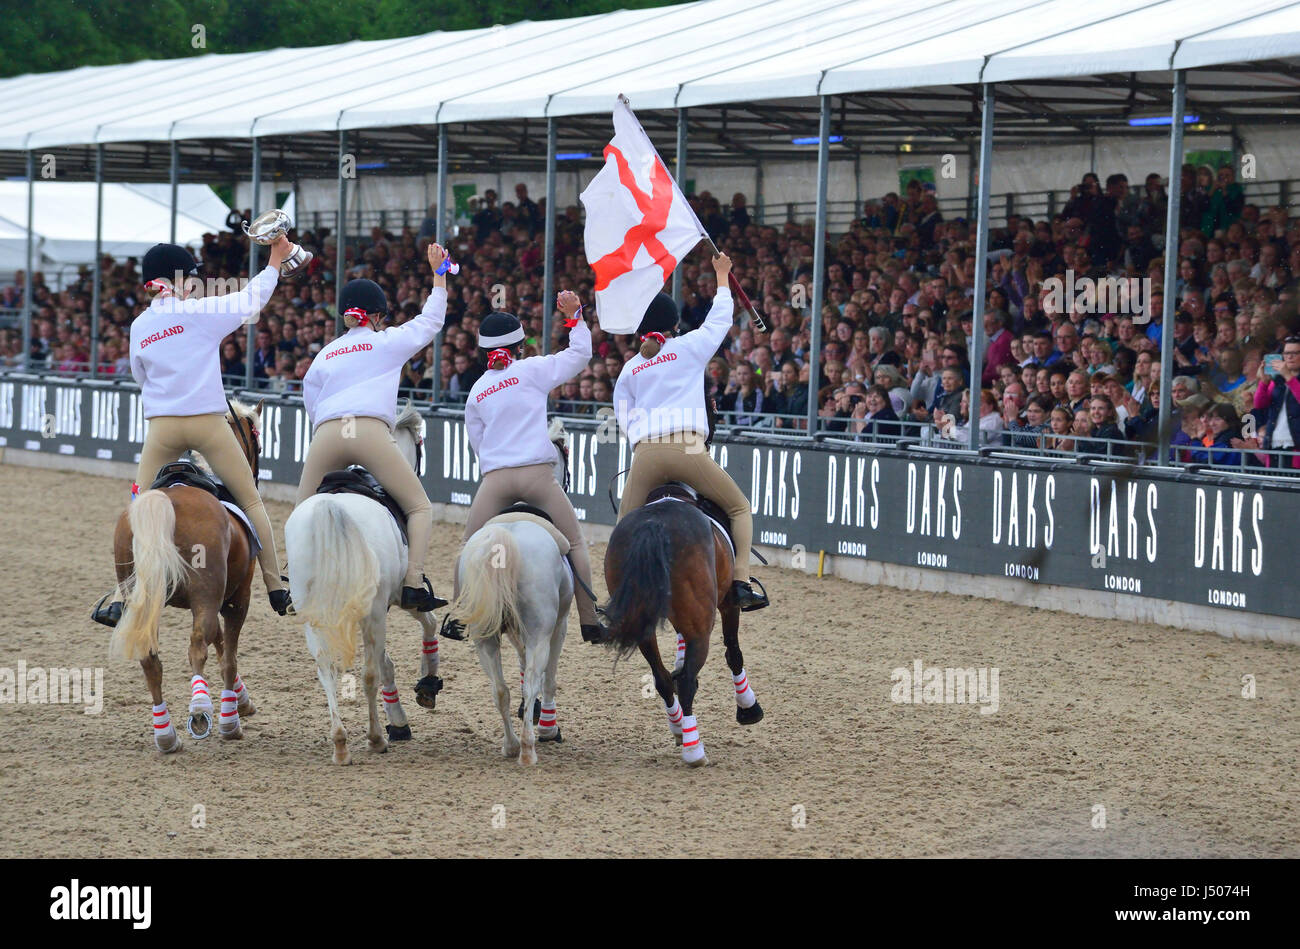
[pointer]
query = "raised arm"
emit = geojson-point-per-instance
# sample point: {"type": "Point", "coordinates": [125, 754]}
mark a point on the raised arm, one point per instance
{"type": "Point", "coordinates": [702, 343]}
{"type": "Point", "coordinates": [560, 367]}
{"type": "Point", "coordinates": [409, 338]}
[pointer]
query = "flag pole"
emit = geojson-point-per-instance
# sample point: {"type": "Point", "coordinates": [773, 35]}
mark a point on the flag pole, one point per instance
{"type": "Point", "coordinates": [736, 288]}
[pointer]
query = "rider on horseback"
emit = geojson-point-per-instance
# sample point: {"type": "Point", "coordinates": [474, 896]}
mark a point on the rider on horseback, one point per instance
{"type": "Point", "coordinates": [174, 357]}
{"type": "Point", "coordinates": [350, 393]}
{"type": "Point", "coordinates": [659, 402]}
{"type": "Point", "coordinates": [505, 418]}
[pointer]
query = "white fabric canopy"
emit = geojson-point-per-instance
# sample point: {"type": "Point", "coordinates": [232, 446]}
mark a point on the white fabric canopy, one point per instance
{"type": "Point", "coordinates": [711, 51]}
{"type": "Point", "coordinates": [135, 218]}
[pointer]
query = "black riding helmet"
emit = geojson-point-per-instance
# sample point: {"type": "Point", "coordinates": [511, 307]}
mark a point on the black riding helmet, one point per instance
{"type": "Point", "coordinates": [166, 261]}
{"type": "Point", "coordinates": [500, 331]}
{"type": "Point", "coordinates": [366, 296]}
{"type": "Point", "coordinates": [661, 316]}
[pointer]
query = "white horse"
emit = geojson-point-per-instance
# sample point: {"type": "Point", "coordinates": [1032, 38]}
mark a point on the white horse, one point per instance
{"type": "Point", "coordinates": [515, 582]}
{"type": "Point", "coordinates": [347, 560]}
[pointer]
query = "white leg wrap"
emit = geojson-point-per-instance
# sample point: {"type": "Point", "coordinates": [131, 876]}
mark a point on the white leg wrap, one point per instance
{"type": "Point", "coordinates": [241, 693]}
{"type": "Point", "coordinates": [229, 712]}
{"type": "Point", "coordinates": [692, 745]}
{"type": "Point", "coordinates": [200, 700]}
{"type": "Point", "coordinates": [745, 696]}
{"type": "Point", "coordinates": [681, 653]}
{"type": "Point", "coordinates": [675, 717]}
{"type": "Point", "coordinates": [164, 732]}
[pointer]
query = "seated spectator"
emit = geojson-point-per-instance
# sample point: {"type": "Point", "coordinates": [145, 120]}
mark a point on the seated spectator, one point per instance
{"type": "Point", "coordinates": [1060, 425]}
{"type": "Point", "coordinates": [1219, 427]}
{"type": "Point", "coordinates": [875, 418]}
{"type": "Point", "coordinates": [743, 401]}
{"type": "Point", "coordinates": [1191, 426]}
{"type": "Point", "coordinates": [1027, 434]}
{"type": "Point", "coordinates": [1277, 404]}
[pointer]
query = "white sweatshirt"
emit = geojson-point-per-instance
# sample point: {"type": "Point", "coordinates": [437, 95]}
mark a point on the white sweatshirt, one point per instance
{"type": "Point", "coordinates": [505, 416]}
{"type": "Point", "coordinates": [665, 394]}
{"type": "Point", "coordinates": [176, 347]}
{"type": "Point", "coordinates": [358, 374]}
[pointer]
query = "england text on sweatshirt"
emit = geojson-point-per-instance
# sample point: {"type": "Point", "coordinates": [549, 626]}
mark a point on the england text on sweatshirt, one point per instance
{"type": "Point", "coordinates": [359, 373]}
{"type": "Point", "coordinates": [664, 394]}
{"type": "Point", "coordinates": [505, 416]}
{"type": "Point", "coordinates": [175, 347]}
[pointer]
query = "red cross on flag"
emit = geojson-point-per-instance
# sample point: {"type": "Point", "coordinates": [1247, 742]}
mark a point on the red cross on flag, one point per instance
{"type": "Point", "coordinates": [638, 225]}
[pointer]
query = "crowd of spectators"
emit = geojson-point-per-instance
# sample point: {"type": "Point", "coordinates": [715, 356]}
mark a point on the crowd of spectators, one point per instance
{"type": "Point", "coordinates": [1060, 373]}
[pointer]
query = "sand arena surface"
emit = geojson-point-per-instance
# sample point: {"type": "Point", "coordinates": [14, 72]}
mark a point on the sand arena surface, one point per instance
{"type": "Point", "coordinates": [1146, 721]}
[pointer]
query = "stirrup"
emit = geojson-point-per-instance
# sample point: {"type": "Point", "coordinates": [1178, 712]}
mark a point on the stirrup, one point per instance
{"type": "Point", "coordinates": [595, 633]}
{"type": "Point", "coordinates": [422, 600]}
{"type": "Point", "coordinates": [746, 598]}
{"type": "Point", "coordinates": [281, 602]}
{"type": "Point", "coordinates": [109, 615]}
{"type": "Point", "coordinates": [452, 628]}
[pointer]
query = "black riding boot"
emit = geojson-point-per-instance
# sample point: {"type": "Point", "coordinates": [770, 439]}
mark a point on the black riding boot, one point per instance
{"type": "Point", "coordinates": [746, 598]}
{"type": "Point", "coordinates": [107, 613]}
{"type": "Point", "coordinates": [421, 600]}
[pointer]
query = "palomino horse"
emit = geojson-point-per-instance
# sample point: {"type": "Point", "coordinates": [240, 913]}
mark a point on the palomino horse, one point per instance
{"type": "Point", "coordinates": [667, 561]}
{"type": "Point", "coordinates": [179, 546]}
{"type": "Point", "coordinates": [347, 560]}
{"type": "Point", "coordinates": [514, 582]}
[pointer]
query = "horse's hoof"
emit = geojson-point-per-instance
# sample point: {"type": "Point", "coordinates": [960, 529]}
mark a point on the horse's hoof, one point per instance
{"type": "Point", "coordinates": [749, 716]}
{"type": "Point", "coordinates": [426, 691]}
{"type": "Point", "coordinates": [344, 759]}
{"type": "Point", "coordinates": [199, 725]}
{"type": "Point", "coordinates": [537, 710]}
{"type": "Point", "coordinates": [543, 734]}
{"type": "Point", "coordinates": [171, 749]}
{"type": "Point", "coordinates": [247, 709]}
{"type": "Point", "coordinates": [377, 746]}
{"type": "Point", "coordinates": [677, 739]}
{"type": "Point", "coordinates": [699, 762]}
{"type": "Point", "coordinates": [234, 734]}
{"type": "Point", "coordinates": [509, 752]}
{"type": "Point", "coordinates": [399, 734]}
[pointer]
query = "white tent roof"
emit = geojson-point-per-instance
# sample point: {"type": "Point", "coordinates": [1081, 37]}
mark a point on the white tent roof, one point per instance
{"type": "Point", "coordinates": [708, 52]}
{"type": "Point", "coordinates": [134, 217]}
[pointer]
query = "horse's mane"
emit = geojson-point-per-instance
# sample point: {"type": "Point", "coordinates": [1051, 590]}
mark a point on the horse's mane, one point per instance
{"type": "Point", "coordinates": [409, 418]}
{"type": "Point", "coordinates": [555, 431]}
{"type": "Point", "coordinates": [244, 411]}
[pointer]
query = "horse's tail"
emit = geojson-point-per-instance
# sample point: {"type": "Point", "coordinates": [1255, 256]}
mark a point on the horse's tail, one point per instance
{"type": "Point", "coordinates": [643, 596]}
{"type": "Point", "coordinates": [159, 570]}
{"type": "Point", "coordinates": [342, 577]}
{"type": "Point", "coordinates": [489, 582]}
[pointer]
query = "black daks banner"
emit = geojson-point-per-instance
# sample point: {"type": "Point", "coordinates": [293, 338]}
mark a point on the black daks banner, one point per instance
{"type": "Point", "coordinates": [1210, 541]}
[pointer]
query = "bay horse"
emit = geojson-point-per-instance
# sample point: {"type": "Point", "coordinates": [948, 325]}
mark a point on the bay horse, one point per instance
{"type": "Point", "coordinates": [347, 560]}
{"type": "Point", "coordinates": [515, 584]}
{"type": "Point", "coordinates": [668, 561]}
{"type": "Point", "coordinates": [179, 546]}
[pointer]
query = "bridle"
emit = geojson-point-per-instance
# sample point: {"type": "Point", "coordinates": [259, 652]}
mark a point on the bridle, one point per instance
{"type": "Point", "coordinates": [252, 451]}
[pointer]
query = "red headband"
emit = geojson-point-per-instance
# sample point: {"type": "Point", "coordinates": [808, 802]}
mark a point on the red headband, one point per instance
{"type": "Point", "coordinates": [501, 357]}
{"type": "Point", "coordinates": [162, 288]}
{"type": "Point", "coordinates": [360, 314]}
{"type": "Point", "coordinates": [655, 336]}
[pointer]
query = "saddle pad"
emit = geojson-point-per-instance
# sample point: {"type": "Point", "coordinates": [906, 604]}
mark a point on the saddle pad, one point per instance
{"type": "Point", "coordinates": [357, 480]}
{"type": "Point", "coordinates": [512, 517]}
{"type": "Point", "coordinates": [253, 539]}
{"type": "Point", "coordinates": [721, 530]}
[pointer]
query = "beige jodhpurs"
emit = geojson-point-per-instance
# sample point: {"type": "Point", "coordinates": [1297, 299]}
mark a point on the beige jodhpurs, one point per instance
{"type": "Point", "coordinates": [683, 457]}
{"type": "Point", "coordinates": [535, 485]}
{"type": "Point", "coordinates": [170, 436]}
{"type": "Point", "coordinates": [369, 442]}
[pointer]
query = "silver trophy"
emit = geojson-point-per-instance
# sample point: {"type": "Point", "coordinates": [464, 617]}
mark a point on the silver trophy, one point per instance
{"type": "Point", "coordinates": [270, 227]}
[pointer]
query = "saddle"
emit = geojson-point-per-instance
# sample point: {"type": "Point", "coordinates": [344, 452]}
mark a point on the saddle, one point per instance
{"type": "Point", "coordinates": [355, 479]}
{"type": "Point", "coordinates": [190, 475]}
{"type": "Point", "coordinates": [526, 512]}
{"type": "Point", "coordinates": [681, 491]}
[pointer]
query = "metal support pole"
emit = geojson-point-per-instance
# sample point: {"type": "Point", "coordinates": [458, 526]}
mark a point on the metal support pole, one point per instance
{"type": "Point", "coordinates": [548, 253]}
{"type": "Point", "coordinates": [97, 271]}
{"type": "Point", "coordinates": [981, 267]}
{"type": "Point", "coordinates": [340, 239]}
{"type": "Point", "coordinates": [441, 237]}
{"type": "Point", "coordinates": [972, 181]}
{"type": "Point", "coordinates": [27, 275]}
{"type": "Point", "coordinates": [175, 180]}
{"type": "Point", "coordinates": [819, 263]}
{"type": "Point", "coordinates": [1171, 265]}
{"type": "Point", "coordinates": [758, 193]}
{"type": "Point", "coordinates": [682, 145]}
{"type": "Point", "coordinates": [253, 247]}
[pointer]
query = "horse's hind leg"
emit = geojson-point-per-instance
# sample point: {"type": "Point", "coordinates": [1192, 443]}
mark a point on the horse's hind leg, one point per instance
{"type": "Point", "coordinates": [427, 689]}
{"type": "Point", "coordinates": [748, 711]}
{"type": "Point", "coordinates": [398, 728]}
{"type": "Point", "coordinates": [489, 657]}
{"type": "Point", "coordinates": [206, 629]}
{"type": "Point", "coordinates": [233, 613]}
{"type": "Point", "coordinates": [664, 686]}
{"type": "Point", "coordinates": [164, 732]}
{"type": "Point", "coordinates": [697, 650]}
{"type": "Point", "coordinates": [328, 676]}
{"type": "Point", "coordinates": [537, 660]}
{"type": "Point", "coordinates": [548, 728]}
{"type": "Point", "coordinates": [372, 632]}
